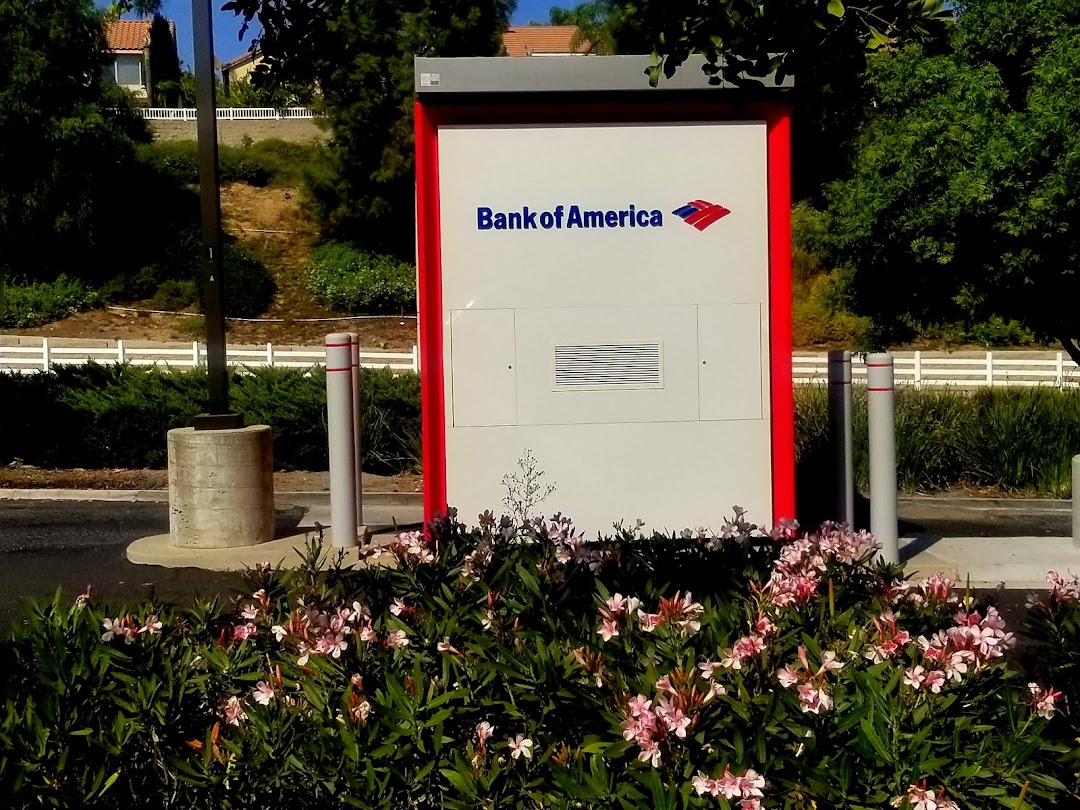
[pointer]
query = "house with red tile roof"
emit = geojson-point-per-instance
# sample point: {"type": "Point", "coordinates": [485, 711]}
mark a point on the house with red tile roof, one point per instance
{"type": "Point", "coordinates": [131, 44]}
{"type": "Point", "coordinates": [542, 40]}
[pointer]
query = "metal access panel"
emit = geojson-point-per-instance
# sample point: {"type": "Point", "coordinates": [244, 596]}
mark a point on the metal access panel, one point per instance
{"type": "Point", "coordinates": [605, 282]}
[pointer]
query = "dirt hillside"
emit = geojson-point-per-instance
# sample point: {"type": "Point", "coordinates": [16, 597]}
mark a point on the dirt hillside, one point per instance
{"type": "Point", "coordinates": [272, 224]}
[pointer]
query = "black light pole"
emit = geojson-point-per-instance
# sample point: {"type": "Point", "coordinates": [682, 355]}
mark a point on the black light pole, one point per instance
{"type": "Point", "coordinates": [217, 375]}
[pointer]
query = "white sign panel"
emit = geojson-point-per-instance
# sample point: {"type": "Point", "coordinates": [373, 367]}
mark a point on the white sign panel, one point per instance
{"type": "Point", "coordinates": [605, 303]}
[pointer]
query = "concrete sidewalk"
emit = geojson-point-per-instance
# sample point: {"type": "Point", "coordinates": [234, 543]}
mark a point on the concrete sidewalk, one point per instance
{"type": "Point", "coordinates": [1016, 562]}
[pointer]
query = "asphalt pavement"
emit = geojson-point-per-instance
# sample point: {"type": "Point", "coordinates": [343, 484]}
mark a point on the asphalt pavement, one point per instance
{"type": "Point", "coordinates": [45, 544]}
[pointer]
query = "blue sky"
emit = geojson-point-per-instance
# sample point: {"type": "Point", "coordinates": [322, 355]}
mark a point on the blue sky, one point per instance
{"type": "Point", "coordinates": [227, 25]}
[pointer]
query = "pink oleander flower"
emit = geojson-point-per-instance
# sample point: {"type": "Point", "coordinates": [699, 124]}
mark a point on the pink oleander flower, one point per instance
{"type": "Point", "coordinates": [119, 627]}
{"type": "Point", "coordinates": [357, 680]}
{"type": "Point", "coordinates": [152, 626]}
{"type": "Point", "coordinates": [233, 711]}
{"type": "Point", "coordinates": [787, 676]}
{"type": "Point", "coordinates": [263, 693]}
{"type": "Point", "coordinates": [249, 612]}
{"type": "Point", "coordinates": [639, 705]}
{"type": "Point", "coordinates": [919, 798]}
{"type": "Point", "coordinates": [279, 632]}
{"type": "Point", "coordinates": [708, 668]}
{"type": "Point", "coordinates": [445, 646]}
{"type": "Point", "coordinates": [242, 631]}
{"type": "Point", "coordinates": [520, 746]}
{"type": "Point", "coordinates": [397, 607]}
{"type": "Point", "coordinates": [813, 699]}
{"type": "Point", "coordinates": [764, 626]}
{"type": "Point", "coordinates": [749, 786]}
{"type": "Point", "coordinates": [1043, 701]}
{"type": "Point", "coordinates": [745, 648]}
{"type": "Point", "coordinates": [649, 621]}
{"type": "Point", "coordinates": [664, 685]}
{"type": "Point", "coordinates": [608, 630]}
{"type": "Point", "coordinates": [484, 730]}
{"type": "Point", "coordinates": [396, 639]}
{"type": "Point", "coordinates": [620, 606]}
{"type": "Point", "coordinates": [84, 598]}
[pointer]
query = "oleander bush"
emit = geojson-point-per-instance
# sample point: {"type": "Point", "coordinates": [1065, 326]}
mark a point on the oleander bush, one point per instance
{"type": "Point", "coordinates": [520, 666]}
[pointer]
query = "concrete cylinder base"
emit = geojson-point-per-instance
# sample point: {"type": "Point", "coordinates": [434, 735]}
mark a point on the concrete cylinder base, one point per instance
{"type": "Point", "coordinates": [221, 487]}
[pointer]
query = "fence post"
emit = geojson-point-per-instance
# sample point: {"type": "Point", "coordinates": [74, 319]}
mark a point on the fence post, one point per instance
{"type": "Point", "coordinates": [121, 356]}
{"type": "Point", "coordinates": [354, 355]}
{"type": "Point", "coordinates": [990, 369]}
{"type": "Point", "coordinates": [195, 353]}
{"type": "Point", "coordinates": [1060, 370]}
{"type": "Point", "coordinates": [840, 436]}
{"type": "Point", "coordinates": [46, 364]}
{"type": "Point", "coordinates": [339, 424]}
{"type": "Point", "coordinates": [881, 412]}
{"type": "Point", "coordinates": [416, 358]}
{"type": "Point", "coordinates": [270, 354]}
{"type": "Point", "coordinates": [918, 367]}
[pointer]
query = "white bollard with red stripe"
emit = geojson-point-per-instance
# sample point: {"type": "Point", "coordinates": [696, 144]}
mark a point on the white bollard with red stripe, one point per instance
{"type": "Point", "coordinates": [340, 427]}
{"type": "Point", "coordinates": [881, 416]}
{"type": "Point", "coordinates": [357, 410]}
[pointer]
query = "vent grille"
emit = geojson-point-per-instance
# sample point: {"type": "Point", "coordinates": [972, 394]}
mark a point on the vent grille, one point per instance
{"type": "Point", "coordinates": [609, 366]}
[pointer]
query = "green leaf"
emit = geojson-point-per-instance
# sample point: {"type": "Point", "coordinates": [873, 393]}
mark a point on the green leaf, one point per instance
{"type": "Point", "coordinates": [836, 8]}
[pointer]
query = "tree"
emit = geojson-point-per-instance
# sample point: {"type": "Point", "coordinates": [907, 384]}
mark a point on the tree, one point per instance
{"type": "Point", "coordinates": [597, 23]}
{"type": "Point", "coordinates": [823, 43]}
{"type": "Point", "coordinates": [962, 204]}
{"type": "Point", "coordinates": [64, 138]}
{"type": "Point", "coordinates": [360, 56]}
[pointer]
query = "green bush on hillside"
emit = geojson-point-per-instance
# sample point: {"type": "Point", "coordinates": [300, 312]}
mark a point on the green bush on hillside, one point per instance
{"type": "Point", "coordinates": [30, 304]}
{"type": "Point", "coordinates": [259, 163]}
{"type": "Point", "coordinates": [344, 277]}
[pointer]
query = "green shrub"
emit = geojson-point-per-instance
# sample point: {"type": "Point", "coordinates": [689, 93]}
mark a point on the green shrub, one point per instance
{"type": "Point", "coordinates": [417, 685]}
{"type": "Point", "coordinates": [249, 288]}
{"type": "Point", "coordinates": [30, 304]}
{"type": "Point", "coordinates": [116, 416]}
{"type": "Point", "coordinates": [173, 295]}
{"type": "Point", "coordinates": [344, 277]}
{"type": "Point", "coordinates": [268, 162]}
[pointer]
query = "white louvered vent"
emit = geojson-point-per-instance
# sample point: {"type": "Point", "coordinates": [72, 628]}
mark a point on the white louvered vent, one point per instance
{"type": "Point", "coordinates": [609, 366]}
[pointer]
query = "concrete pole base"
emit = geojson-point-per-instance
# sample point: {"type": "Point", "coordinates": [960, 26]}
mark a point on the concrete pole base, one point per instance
{"type": "Point", "coordinates": [221, 487]}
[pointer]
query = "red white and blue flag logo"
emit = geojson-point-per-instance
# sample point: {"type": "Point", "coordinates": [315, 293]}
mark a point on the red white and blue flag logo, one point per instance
{"type": "Point", "coordinates": [701, 213]}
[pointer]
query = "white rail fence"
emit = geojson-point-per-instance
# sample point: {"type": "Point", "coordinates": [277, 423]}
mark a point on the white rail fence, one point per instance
{"type": "Point", "coordinates": [226, 113]}
{"type": "Point", "coordinates": [930, 369]}
{"type": "Point", "coordinates": [960, 370]}
{"type": "Point", "coordinates": [45, 357]}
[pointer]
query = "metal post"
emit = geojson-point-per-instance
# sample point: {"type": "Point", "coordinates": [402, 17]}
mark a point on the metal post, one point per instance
{"type": "Point", "coordinates": [217, 374]}
{"type": "Point", "coordinates": [354, 352]}
{"type": "Point", "coordinates": [46, 361]}
{"type": "Point", "coordinates": [339, 423]}
{"type": "Point", "coordinates": [881, 407]}
{"type": "Point", "coordinates": [1076, 501]}
{"type": "Point", "coordinates": [840, 436]}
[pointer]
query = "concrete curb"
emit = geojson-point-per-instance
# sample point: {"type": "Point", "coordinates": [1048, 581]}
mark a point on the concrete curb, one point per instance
{"type": "Point", "coordinates": [285, 552]}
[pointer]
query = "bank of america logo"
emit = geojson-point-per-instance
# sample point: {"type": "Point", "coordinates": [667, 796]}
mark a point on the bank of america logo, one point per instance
{"type": "Point", "coordinates": [700, 213]}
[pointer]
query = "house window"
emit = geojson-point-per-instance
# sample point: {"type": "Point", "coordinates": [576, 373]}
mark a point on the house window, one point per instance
{"type": "Point", "coordinates": [127, 70]}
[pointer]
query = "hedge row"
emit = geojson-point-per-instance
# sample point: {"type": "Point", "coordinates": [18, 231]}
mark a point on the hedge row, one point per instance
{"type": "Point", "coordinates": [117, 416]}
{"type": "Point", "coordinates": [1012, 439]}
{"type": "Point", "coordinates": [104, 416]}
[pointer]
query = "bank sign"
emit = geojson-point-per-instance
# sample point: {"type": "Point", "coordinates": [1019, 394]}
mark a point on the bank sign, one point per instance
{"type": "Point", "coordinates": [698, 213]}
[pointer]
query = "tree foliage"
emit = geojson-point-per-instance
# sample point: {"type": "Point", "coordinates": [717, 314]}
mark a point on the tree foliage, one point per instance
{"type": "Point", "coordinates": [598, 24]}
{"type": "Point", "coordinates": [962, 204]}
{"type": "Point", "coordinates": [823, 43]}
{"type": "Point", "coordinates": [360, 56]}
{"type": "Point", "coordinates": [64, 137]}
